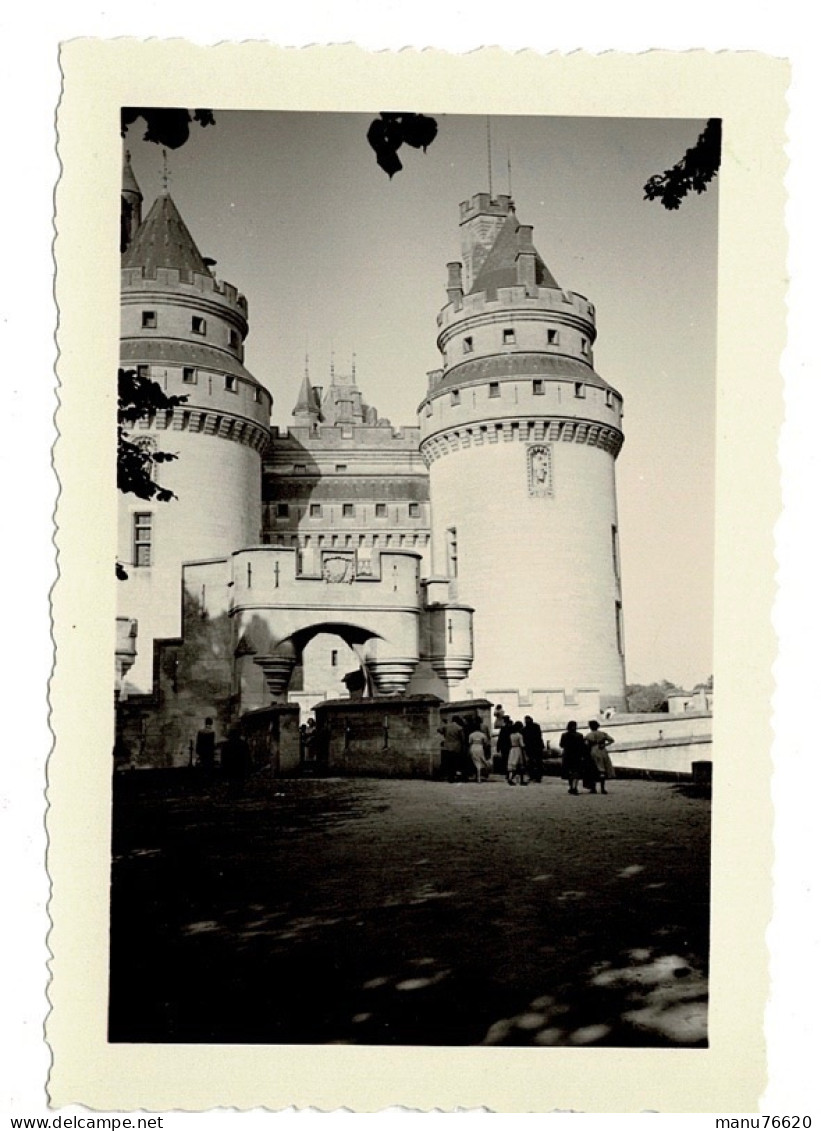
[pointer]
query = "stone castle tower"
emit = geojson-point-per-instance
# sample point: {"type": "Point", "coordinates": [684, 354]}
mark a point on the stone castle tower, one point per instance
{"type": "Point", "coordinates": [521, 436]}
{"type": "Point", "coordinates": [185, 329]}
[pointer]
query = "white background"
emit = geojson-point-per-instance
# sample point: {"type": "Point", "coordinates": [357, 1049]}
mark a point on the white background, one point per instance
{"type": "Point", "coordinates": [31, 86]}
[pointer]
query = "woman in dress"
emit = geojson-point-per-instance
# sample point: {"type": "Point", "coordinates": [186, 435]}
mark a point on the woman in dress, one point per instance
{"type": "Point", "coordinates": [478, 743]}
{"type": "Point", "coordinates": [574, 755]}
{"type": "Point", "coordinates": [516, 757]}
{"type": "Point", "coordinates": [597, 741]}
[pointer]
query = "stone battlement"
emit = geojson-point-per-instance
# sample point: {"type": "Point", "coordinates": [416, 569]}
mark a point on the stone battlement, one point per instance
{"type": "Point", "coordinates": [564, 305]}
{"type": "Point", "coordinates": [182, 282]}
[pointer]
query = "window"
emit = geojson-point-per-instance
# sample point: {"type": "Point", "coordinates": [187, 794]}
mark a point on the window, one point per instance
{"type": "Point", "coordinates": [414, 510]}
{"type": "Point", "coordinates": [230, 383]}
{"type": "Point", "coordinates": [197, 325]}
{"type": "Point", "coordinates": [233, 338]}
{"type": "Point", "coordinates": [347, 510]}
{"type": "Point", "coordinates": [315, 510]}
{"type": "Point", "coordinates": [381, 510]}
{"type": "Point", "coordinates": [455, 396]}
{"type": "Point", "coordinates": [334, 657]}
{"type": "Point", "coordinates": [552, 337]}
{"type": "Point", "coordinates": [189, 375]}
{"type": "Point", "coordinates": [453, 552]}
{"type": "Point", "coordinates": [142, 538]}
{"type": "Point", "coordinates": [282, 510]}
{"type": "Point", "coordinates": [300, 468]}
{"type": "Point", "coordinates": [619, 628]}
{"type": "Point", "coordinates": [144, 371]}
{"type": "Point", "coordinates": [508, 337]}
{"type": "Point", "coordinates": [340, 467]}
{"type": "Point", "coordinates": [579, 389]}
{"type": "Point", "coordinates": [614, 538]}
{"type": "Point", "coordinates": [467, 345]}
{"type": "Point", "coordinates": [608, 398]}
{"type": "Point", "coordinates": [585, 346]}
{"type": "Point", "coordinates": [538, 388]}
{"type": "Point", "coordinates": [494, 389]}
{"type": "Point", "coordinates": [257, 395]}
{"type": "Point", "coordinates": [149, 319]}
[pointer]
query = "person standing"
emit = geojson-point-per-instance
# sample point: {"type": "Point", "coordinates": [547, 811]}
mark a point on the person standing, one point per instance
{"type": "Point", "coordinates": [452, 739]}
{"type": "Point", "coordinates": [597, 741]}
{"type": "Point", "coordinates": [205, 745]}
{"type": "Point", "coordinates": [574, 754]}
{"type": "Point", "coordinates": [516, 755]}
{"type": "Point", "coordinates": [503, 743]}
{"type": "Point", "coordinates": [534, 749]}
{"type": "Point", "coordinates": [477, 748]}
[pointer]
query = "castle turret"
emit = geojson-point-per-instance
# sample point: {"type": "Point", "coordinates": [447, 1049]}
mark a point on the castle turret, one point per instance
{"type": "Point", "coordinates": [521, 435]}
{"type": "Point", "coordinates": [307, 409]}
{"type": "Point", "coordinates": [184, 329]}
{"type": "Point", "coordinates": [131, 204]}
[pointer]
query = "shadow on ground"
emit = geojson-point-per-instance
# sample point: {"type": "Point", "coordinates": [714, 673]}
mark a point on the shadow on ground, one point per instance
{"type": "Point", "coordinates": [393, 912]}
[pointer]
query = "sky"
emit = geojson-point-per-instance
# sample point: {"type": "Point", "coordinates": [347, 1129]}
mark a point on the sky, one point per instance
{"type": "Point", "coordinates": [337, 259]}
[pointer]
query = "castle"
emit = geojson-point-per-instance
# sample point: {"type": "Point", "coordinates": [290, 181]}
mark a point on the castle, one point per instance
{"type": "Point", "coordinates": [472, 555]}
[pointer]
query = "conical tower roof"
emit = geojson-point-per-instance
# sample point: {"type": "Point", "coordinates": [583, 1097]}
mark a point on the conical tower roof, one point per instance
{"type": "Point", "coordinates": [499, 269]}
{"type": "Point", "coordinates": [163, 240]}
{"type": "Point", "coordinates": [129, 180]}
{"type": "Point", "coordinates": [307, 403]}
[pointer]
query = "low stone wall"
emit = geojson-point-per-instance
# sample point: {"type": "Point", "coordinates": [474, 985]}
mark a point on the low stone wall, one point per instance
{"type": "Point", "coordinates": [675, 755]}
{"type": "Point", "coordinates": [381, 737]}
{"type": "Point", "coordinates": [272, 733]}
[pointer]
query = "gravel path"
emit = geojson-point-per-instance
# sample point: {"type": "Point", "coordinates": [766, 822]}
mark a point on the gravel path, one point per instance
{"type": "Point", "coordinates": [408, 912]}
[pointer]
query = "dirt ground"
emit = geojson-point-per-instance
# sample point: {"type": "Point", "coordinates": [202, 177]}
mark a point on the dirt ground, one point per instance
{"type": "Point", "coordinates": [408, 912]}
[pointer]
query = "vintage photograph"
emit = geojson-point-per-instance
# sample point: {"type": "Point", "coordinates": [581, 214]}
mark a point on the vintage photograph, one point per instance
{"type": "Point", "coordinates": [416, 430]}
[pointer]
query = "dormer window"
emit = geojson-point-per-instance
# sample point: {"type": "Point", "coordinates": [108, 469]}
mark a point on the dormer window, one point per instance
{"type": "Point", "coordinates": [149, 320]}
{"type": "Point", "coordinates": [197, 325]}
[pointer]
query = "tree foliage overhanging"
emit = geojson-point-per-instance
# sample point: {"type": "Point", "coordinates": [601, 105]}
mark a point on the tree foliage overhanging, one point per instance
{"type": "Point", "coordinates": [391, 130]}
{"type": "Point", "coordinates": [140, 398]}
{"type": "Point", "coordinates": [169, 127]}
{"type": "Point", "coordinates": [692, 173]}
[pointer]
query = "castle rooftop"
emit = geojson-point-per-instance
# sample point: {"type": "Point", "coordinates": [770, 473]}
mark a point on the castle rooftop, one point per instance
{"type": "Point", "coordinates": [499, 268]}
{"type": "Point", "coordinates": [163, 240]}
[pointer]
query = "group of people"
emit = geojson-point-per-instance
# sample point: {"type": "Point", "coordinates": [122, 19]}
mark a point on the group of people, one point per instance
{"type": "Point", "coordinates": [585, 758]}
{"type": "Point", "coordinates": [466, 750]}
{"type": "Point", "coordinates": [520, 751]}
{"type": "Point", "coordinates": [235, 753]}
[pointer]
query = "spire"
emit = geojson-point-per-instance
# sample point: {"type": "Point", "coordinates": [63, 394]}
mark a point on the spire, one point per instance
{"type": "Point", "coordinates": [130, 186]}
{"type": "Point", "coordinates": [307, 404]}
{"type": "Point", "coordinates": [131, 204]}
{"type": "Point", "coordinates": [163, 240]}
